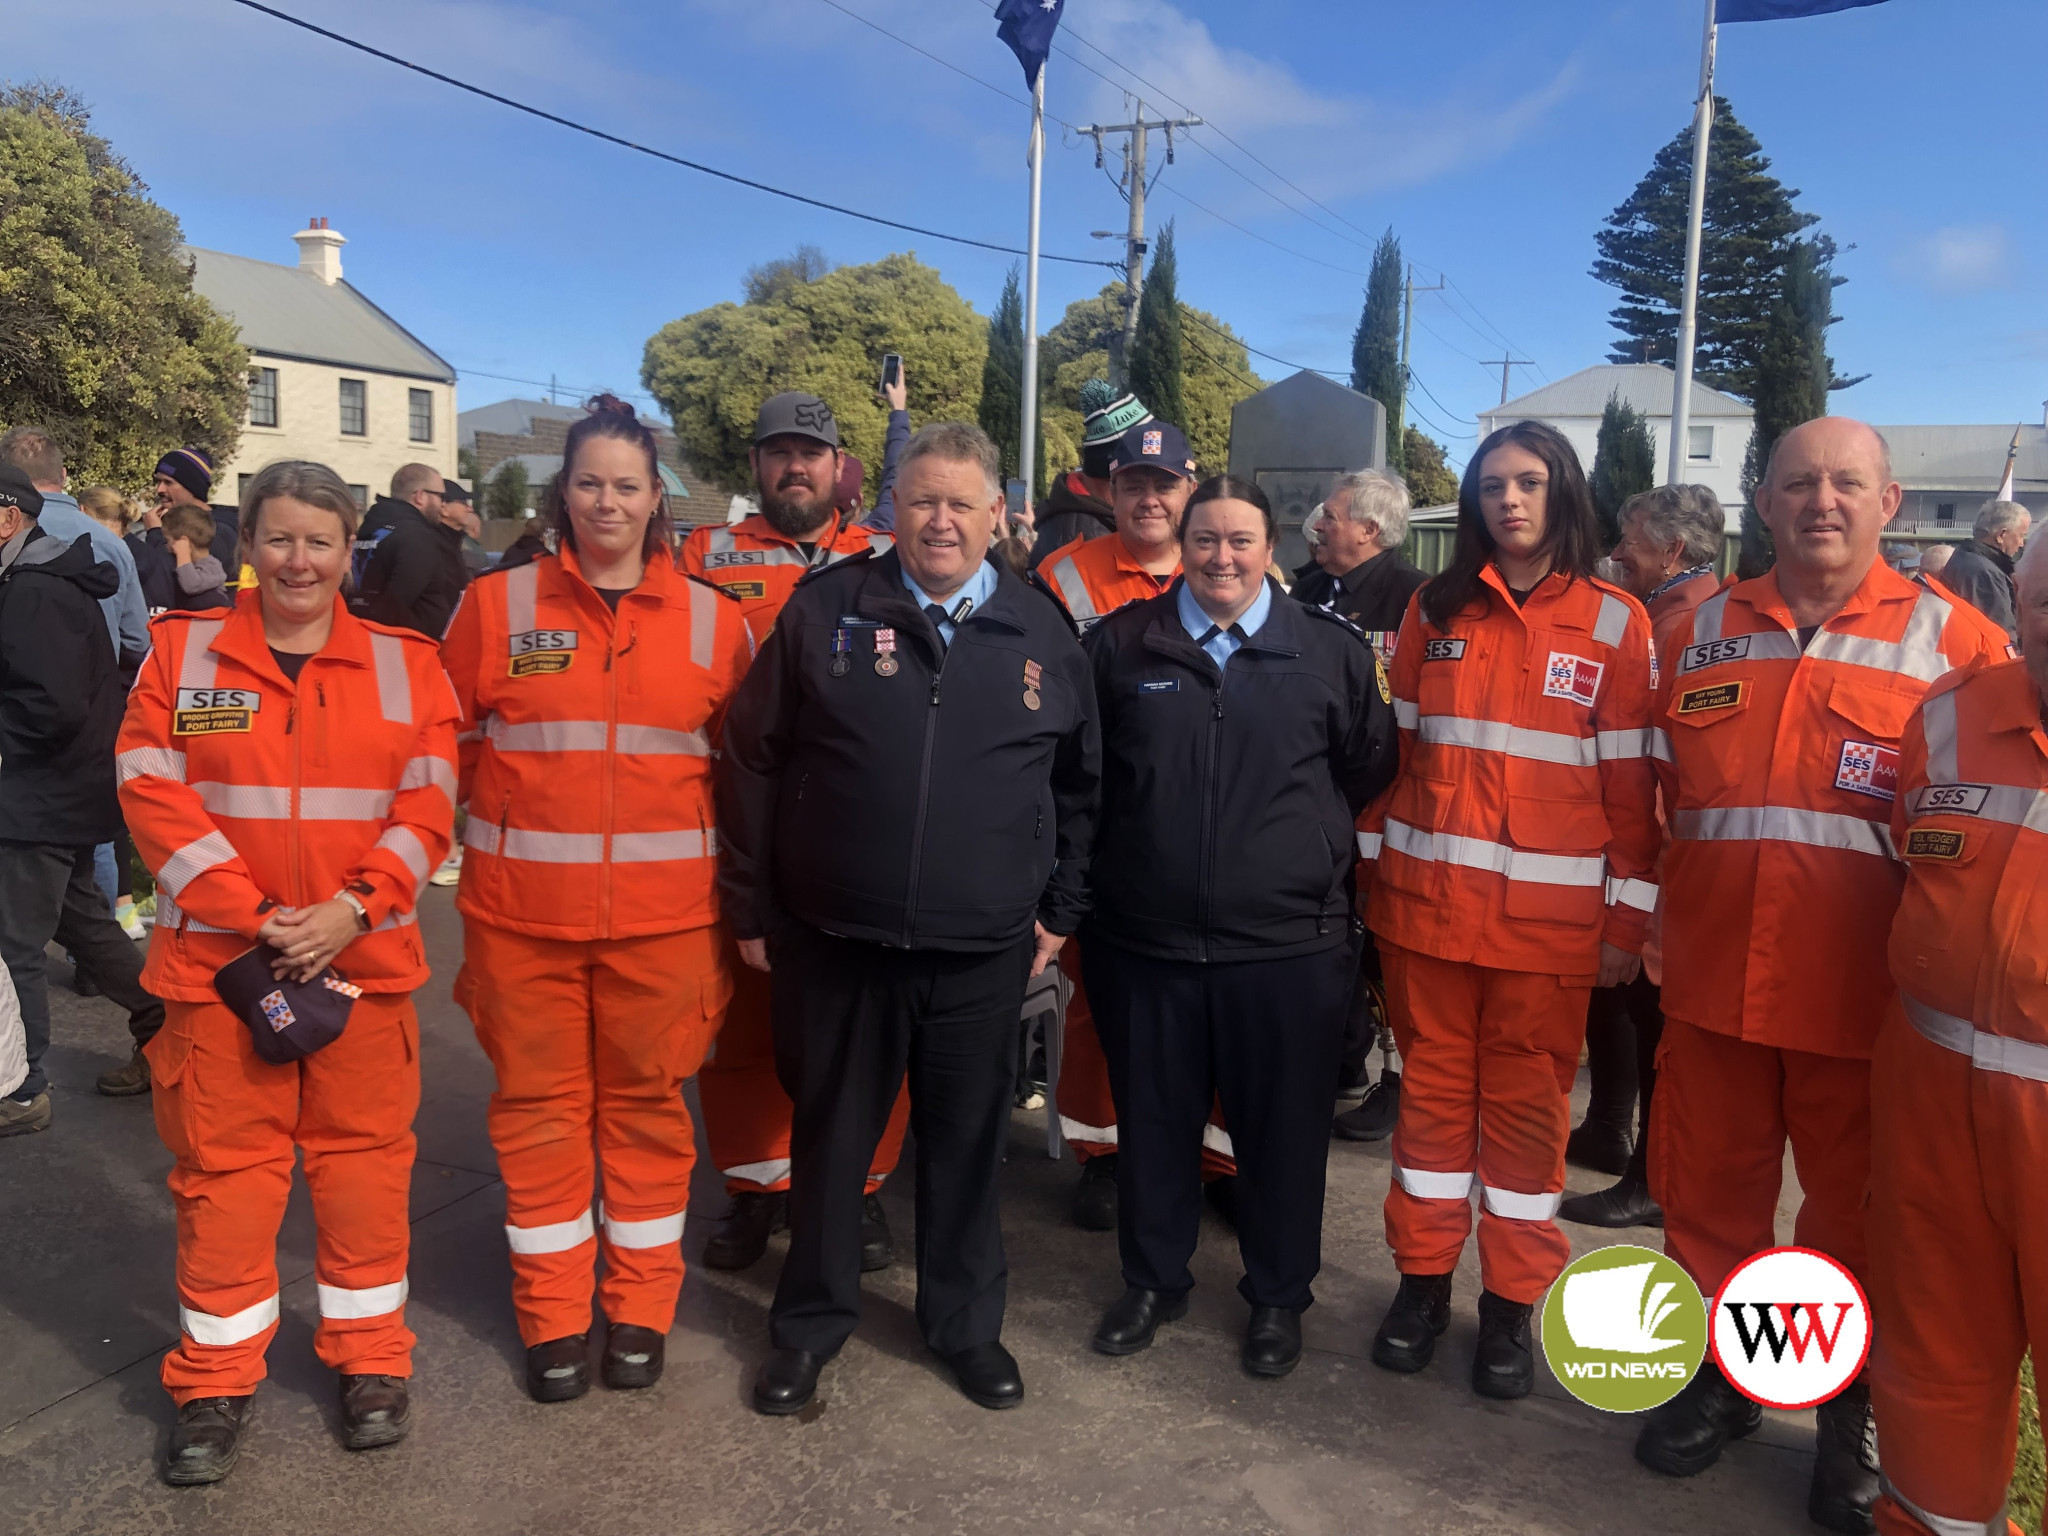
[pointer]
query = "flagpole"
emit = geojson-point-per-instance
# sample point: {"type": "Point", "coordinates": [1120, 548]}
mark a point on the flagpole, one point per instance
{"type": "Point", "coordinates": [1688, 312]}
{"type": "Point", "coordinates": [1027, 432]}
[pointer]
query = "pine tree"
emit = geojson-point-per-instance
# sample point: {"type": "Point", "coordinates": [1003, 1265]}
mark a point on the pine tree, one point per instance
{"type": "Point", "coordinates": [1376, 344]}
{"type": "Point", "coordinates": [1749, 230]}
{"type": "Point", "coordinates": [1795, 375]}
{"type": "Point", "coordinates": [1624, 463]}
{"type": "Point", "coordinates": [1157, 374]}
{"type": "Point", "coordinates": [1002, 376]}
{"type": "Point", "coordinates": [1430, 480]}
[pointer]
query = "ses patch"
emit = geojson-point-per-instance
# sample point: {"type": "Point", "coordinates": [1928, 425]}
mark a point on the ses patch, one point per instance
{"type": "Point", "coordinates": [1954, 799]}
{"type": "Point", "coordinates": [1572, 677]}
{"type": "Point", "coordinates": [1712, 653]}
{"type": "Point", "coordinates": [210, 711]}
{"type": "Point", "coordinates": [726, 558]}
{"type": "Point", "coordinates": [1695, 701]}
{"type": "Point", "coordinates": [1933, 843]}
{"type": "Point", "coordinates": [541, 651]}
{"type": "Point", "coordinates": [1868, 768]}
{"type": "Point", "coordinates": [1444, 650]}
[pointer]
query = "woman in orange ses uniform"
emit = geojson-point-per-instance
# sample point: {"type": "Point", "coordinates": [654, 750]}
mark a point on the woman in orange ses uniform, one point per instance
{"type": "Point", "coordinates": [593, 682]}
{"type": "Point", "coordinates": [288, 771]}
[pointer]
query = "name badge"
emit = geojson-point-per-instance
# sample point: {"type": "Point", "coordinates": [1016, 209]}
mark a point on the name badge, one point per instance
{"type": "Point", "coordinates": [1696, 701]}
{"type": "Point", "coordinates": [746, 591]}
{"type": "Point", "coordinates": [1165, 685]}
{"type": "Point", "coordinates": [1933, 843]}
{"type": "Point", "coordinates": [1444, 650]}
{"type": "Point", "coordinates": [541, 651]}
{"type": "Point", "coordinates": [209, 711]}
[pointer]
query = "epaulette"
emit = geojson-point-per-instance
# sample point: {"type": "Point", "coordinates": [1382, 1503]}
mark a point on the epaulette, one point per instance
{"type": "Point", "coordinates": [1338, 619]}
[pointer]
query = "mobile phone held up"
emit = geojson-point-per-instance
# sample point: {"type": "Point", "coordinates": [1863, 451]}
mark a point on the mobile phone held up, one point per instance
{"type": "Point", "coordinates": [892, 369]}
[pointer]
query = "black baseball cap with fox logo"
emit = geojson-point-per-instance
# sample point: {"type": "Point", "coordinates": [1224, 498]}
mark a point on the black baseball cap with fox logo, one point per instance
{"type": "Point", "coordinates": [797, 415]}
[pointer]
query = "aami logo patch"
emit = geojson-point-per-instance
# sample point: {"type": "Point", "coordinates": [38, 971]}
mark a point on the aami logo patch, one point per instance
{"type": "Point", "coordinates": [1443, 650]}
{"type": "Point", "coordinates": [1572, 677]}
{"type": "Point", "coordinates": [1867, 768]}
{"type": "Point", "coordinates": [1933, 843]}
{"type": "Point", "coordinates": [1719, 696]}
{"type": "Point", "coordinates": [1955, 799]}
{"type": "Point", "coordinates": [541, 651]}
{"type": "Point", "coordinates": [207, 711]}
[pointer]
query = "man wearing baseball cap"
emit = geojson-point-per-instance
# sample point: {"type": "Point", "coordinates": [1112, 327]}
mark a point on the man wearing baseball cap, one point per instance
{"type": "Point", "coordinates": [797, 464]}
{"type": "Point", "coordinates": [1077, 506]}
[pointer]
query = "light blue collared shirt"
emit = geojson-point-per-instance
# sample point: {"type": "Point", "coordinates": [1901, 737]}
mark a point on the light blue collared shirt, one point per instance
{"type": "Point", "coordinates": [981, 586]}
{"type": "Point", "coordinates": [127, 614]}
{"type": "Point", "coordinates": [1222, 644]}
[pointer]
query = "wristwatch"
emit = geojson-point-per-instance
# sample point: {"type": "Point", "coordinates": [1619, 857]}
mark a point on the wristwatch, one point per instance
{"type": "Point", "coordinates": [362, 912]}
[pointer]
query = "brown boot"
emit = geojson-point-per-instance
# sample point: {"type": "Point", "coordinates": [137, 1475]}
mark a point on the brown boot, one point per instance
{"type": "Point", "coordinates": [127, 1080]}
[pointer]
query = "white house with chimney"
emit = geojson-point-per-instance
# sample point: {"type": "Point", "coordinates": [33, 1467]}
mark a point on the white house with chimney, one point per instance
{"type": "Point", "coordinates": [333, 378]}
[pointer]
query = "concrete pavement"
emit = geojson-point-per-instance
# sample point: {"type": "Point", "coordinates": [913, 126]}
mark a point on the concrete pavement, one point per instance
{"type": "Point", "coordinates": [1175, 1440]}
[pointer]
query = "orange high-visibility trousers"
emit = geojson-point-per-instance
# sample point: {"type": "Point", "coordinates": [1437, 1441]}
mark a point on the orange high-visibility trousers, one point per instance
{"type": "Point", "coordinates": [1717, 1149]}
{"type": "Point", "coordinates": [592, 1041]}
{"type": "Point", "coordinates": [232, 1120]}
{"type": "Point", "coordinates": [1487, 1057]}
{"type": "Point", "coordinates": [1958, 1275]}
{"type": "Point", "coordinates": [1087, 1108]}
{"type": "Point", "coordinates": [746, 1113]}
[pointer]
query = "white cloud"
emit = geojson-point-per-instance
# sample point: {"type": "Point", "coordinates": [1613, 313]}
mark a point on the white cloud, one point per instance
{"type": "Point", "coordinates": [1963, 258]}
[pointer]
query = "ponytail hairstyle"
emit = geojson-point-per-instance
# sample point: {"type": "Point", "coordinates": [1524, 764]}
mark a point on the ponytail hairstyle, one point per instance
{"type": "Point", "coordinates": [606, 415]}
{"type": "Point", "coordinates": [1571, 531]}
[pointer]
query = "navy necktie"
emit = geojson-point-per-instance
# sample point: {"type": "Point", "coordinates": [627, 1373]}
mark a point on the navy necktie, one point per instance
{"type": "Point", "coordinates": [939, 618]}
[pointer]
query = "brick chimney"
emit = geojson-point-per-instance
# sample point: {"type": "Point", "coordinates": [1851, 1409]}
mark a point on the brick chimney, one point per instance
{"type": "Point", "coordinates": [320, 251]}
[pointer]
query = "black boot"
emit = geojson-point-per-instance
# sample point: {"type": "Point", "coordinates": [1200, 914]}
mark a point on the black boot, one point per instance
{"type": "Point", "coordinates": [1408, 1333]}
{"type": "Point", "coordinates": [743, 1236]}
{"type": "Point", "coordinates": [558, 1370]}
{"type": "Point", "coordinates": [877, 1251]}
{"type": "Point", "coordinates": [1624, 1204]}
{"type": "Point", "coordinates": [1272, 1341]}
{"type": "Point", "coordinates": [375, 1410]}
{"type": "Point", "coordinates": [1685, 1436]}
{"type": "Point", "coordinates": [633, 1356]}
{"type": "Point", "coordinates": [206, 1440]}
{"type": "Point", "coordinates": [1094, 1207]}
{"type": "Point", "coordinates": [1373, 1119]}
{"type": "Point", "coordinates": [1845, 1468]}
{"type": "Point", "coordinates": [1599, 1146]}
{"type": "Point", "coordinates": [1504, 1367]}
{"type": "Point", "coordinates": [786, 1381]}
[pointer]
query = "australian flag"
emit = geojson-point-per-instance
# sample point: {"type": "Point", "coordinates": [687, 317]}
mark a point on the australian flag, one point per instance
{"type": "Point", "coordinates": [1027, 26]}
{"type": "Point", "coordinates": [1781, 10]}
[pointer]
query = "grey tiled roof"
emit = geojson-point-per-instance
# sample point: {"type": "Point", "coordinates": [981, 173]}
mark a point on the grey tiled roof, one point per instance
{"type": "Point", "coordinates": [289, 313]}
{"type": "Point", "coordinates": [1646, 386]}
{"type": "Point", "coordinates": [1967, 458]}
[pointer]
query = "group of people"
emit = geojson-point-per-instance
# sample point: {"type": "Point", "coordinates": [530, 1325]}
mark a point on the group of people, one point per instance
{"type": "Point", "coordinates": [799, 807]}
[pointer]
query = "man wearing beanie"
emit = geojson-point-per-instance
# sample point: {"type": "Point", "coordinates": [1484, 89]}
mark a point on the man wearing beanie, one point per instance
{"type": "Point", "coordinates": [1078, 506]}
{"type": "Point", "coordinates": [184, 477]}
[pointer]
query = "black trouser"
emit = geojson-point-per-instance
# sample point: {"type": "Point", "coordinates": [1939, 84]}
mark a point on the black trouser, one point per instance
{"type": "Point", "coordinates": [1361, 1020]}
{"type": "Point", "coordinates": [850, 1018]}
{"type": "Point", "coordinates": [48, 892]}
{"type": "Point", "coordinates": [1264, 1036]}
{"type": "Point", "coordinates": [1623, 1026]}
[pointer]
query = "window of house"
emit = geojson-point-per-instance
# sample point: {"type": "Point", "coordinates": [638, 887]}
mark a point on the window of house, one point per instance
{"type": "Point", "coordinates": [262, 397]}
{"type": "Point", "coordinates": [353, 408]}
{"type": "Point", "coordinates": [362, 496]}
{"type": "Point", "coordinates": [420, 414]}
{"type": "Point", "coordinates": [1945, 512]}
{"type": "Point", "coordinates": [1699, 444]}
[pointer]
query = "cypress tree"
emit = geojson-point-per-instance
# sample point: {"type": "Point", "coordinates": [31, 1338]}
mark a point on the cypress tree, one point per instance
{"type": "Point", "coordinates": [1002, 376]}
{"type": "Point", "coordinates": [1794, 377]}
{"type": "Point", "coordinates": [1624, 463]}
{"type": "Point", "coordinates": [1376, 344]}
{"type": "Point", "coordinates": [1157, 374]}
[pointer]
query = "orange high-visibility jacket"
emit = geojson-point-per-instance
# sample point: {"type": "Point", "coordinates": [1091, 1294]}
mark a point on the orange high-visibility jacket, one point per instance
{"type": "Point", "coordinates": [1969, 948]}
{"type": "Point", "coordinates": [586, 748]}
{"type": "Point", "coordinates": [246, 792]}
{"type": "Point", "coordinates": [1780, 767]}
{"type": "Point", "coordinates": [761, 566]}
{"type": "Point", "coordinates": [1093, 578]}
{"type": "Point", "coordinates": [1522, 830]}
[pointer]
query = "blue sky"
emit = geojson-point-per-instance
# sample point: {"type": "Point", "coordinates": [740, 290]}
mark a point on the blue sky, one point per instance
{"type": "Point", "coordinates": [1492, 135]}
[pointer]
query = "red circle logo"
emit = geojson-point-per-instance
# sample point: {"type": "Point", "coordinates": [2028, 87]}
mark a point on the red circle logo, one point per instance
{"type": "Point", "coordinates": [1790, 1328]}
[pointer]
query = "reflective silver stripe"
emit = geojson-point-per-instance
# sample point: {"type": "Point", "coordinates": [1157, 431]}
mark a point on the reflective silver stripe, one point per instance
{"type": "Point", "coordinates": [422, 771]}
{"type": "Point", "coordinates": [1613, 621]}
{"type": "Point", "coordinates": [1785, 824]}
{"type": "Point", "coordinates": [1640, 894]}
{"type": "Point", "coordinates": [546, 735]}
{"type": "Point", "coordinates": [703, 625]}
{"type": "Point", "coordinates": [1640, 742]}
{"type": "Point", "coordinates": [1916, 654]}
{"type": "Point", "coordinates": [1407, 713]}
{"type": "Point", "coordinates": [168, 915]}
{"type": "Point", "coordinates": [198, 666]}
{"type": "Point", "coordinates": [1514, 740]}
{"type": "Point", "coordinates": [405, 842]}
{"type": "Point", "coordinates": [1944, 1525]}
{"type": "Point", "coordinates": [1764, 645]}
{"type": "Point", "coordinates": [773, 1171]}
{"type": "Point", "coordinates": [1520, 1207]}
{"type": "Point", "coordinates": [344, 804]}
{"type": "Point", "coordinates": [394, 683]}
{"type": "Point", "coordinates": [475, 735]}
{"type": "Point", "coordinates": [656, 741]}
{"type": "Point", "coordinates": [534, 847]}
{"type": "Point", "coordinates": [559, 1237]}
{"type": "Point", "coordinates": [150, 763]}
{"type": "Point", "coordinates": [1938, 717]}
{"type": "Point", "coordinates": [1424, 1185]}
{"type": "Point", "coordinates": [205, 1328]}
{"type": "Point", "coordinates": [654, 847]}
{"type": "Point", "coordinates": [1217, 1139]}
{"type": "Point", "coordinates": [656, 1232]}
{"type": "Point", "coordinates": [880, 544]}
{"type": "Point", "coordinates": [194, 860]}
{"type": "Point", "coordinates": [1101, 1135]}
{"type": "Point", "coordinates": [1475, 853]}
{"type": "Point", "coordinates": [1660, 745]}
{"type": "Point", "coordinates": [246, 802]}
{"type": "Point", "coordinates": [1706, 619]}
{"type": "Point", "coordinates": [371, 1301]}
{"type": "Point", "coordinates": [1991, 1053]}
{"type": "Point", "coordinates": [2007, 803]}
{"type": "Point", "coordinates": [1369, 845]}
{"type": "Point", "coordinates": [521, 590]}
{"type": "Point", "coordinates": [1067, 577]}
{"type": "Point", "coordinates": [722, 541]}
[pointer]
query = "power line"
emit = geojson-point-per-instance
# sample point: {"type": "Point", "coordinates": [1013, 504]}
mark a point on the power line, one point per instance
{"type": "Point", "coordinates": [586, 391]}
{"type": "Point", "coordinates": [1416, 379]}
{"type": "Point", "coordinates": [1254, 234]}
{"type": "Point", "coordinates": [987, 85]}
{"type": "Point", "coordinates": [1189, 314]}
{"type": "Point", "coordinates": [658, 154]}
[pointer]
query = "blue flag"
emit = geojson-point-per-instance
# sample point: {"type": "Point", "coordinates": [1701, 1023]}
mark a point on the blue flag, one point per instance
{"type": "Point", "coordinates": [1781, 10]}
{"type": "Point", "coordinates": [1027, 26]}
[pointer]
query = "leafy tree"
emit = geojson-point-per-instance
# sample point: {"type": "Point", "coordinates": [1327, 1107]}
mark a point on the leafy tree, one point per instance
{"type": "Point", "coordinates": [776, 279]}
{"type": "Point", "coordinates": [1430, 480]}
{"type": "Point", "coordinates": [102, 339]}
{"type": "Point", "coordinates": [1376, 344]}
{"type": "Point", "coordinates": [1158, 370]}
{"type": "Point", "coordinates": [465, 463]}
{"type": "Point", "coordinates": [1750, 228]}
{"type": "Point", "coordinates": [510, 492]}
{"type": "Point", "coordinates": [1624, 463]}
{"type": "Point", "coordinates": [1002, 376]}
{"type": "Point", "coordinates": [1216, 376]}
{"type": "Point", "coordinates": [825, 333]}
{"type": "Point", "coordinates": [1794, 377]}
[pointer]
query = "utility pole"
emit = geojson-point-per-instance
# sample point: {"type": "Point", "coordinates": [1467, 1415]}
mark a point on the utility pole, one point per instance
{"type": "Point", "coordinates": [1504, 364]}
{"type": "Point", "coordinates": [1407, 334]}
{"type": "Point", "coordinates": [1134, 240]}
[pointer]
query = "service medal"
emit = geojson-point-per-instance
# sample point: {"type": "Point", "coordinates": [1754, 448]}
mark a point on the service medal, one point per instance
{"type": "Point", "coordinates": [1031, 677]}
{"type": "Point", "coordinates": [886, 664]}
{"type": "Point", "coordinates": [842, 663]}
